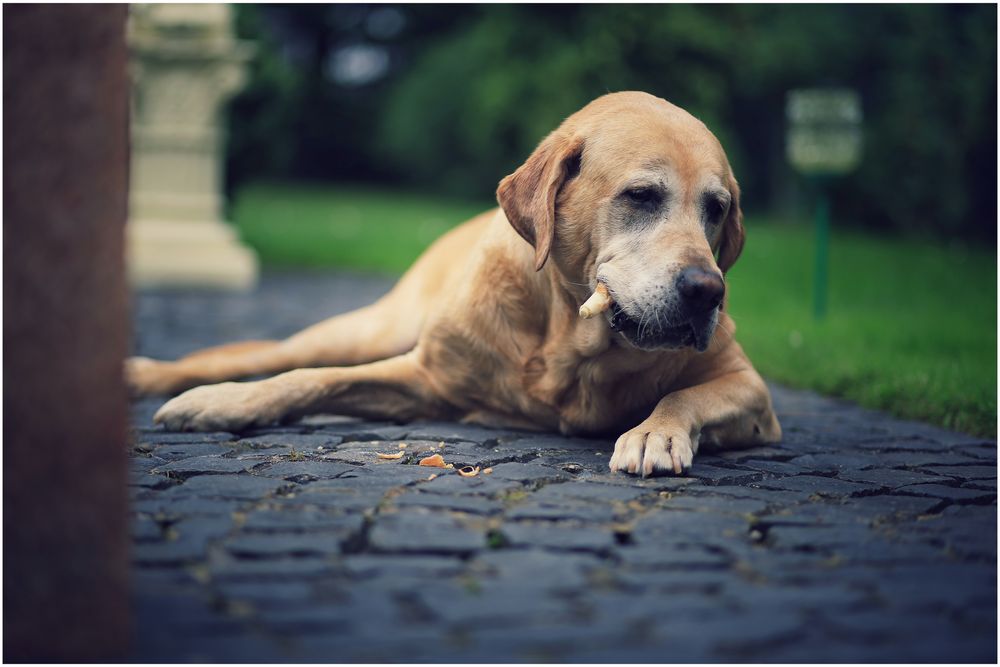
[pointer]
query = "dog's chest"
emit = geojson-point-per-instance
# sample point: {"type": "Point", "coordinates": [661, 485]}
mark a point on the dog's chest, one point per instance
{"type": "Point", "coordinates": [570, 380]}
{"type": "Point", "coordinates": [592, 394]}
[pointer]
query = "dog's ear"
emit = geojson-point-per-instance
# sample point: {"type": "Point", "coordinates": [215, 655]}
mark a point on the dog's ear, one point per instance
{"type": "Point", "coordinates": [528, 196]}
{"type": "Point", "coordinates": [733, 234]}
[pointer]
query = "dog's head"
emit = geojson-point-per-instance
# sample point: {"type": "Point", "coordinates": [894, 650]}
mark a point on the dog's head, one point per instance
{"type": "Point", "coordinates": [636, 193]}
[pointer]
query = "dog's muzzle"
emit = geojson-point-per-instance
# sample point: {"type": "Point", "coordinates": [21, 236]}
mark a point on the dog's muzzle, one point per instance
{"type": "Point", "coordinates": [690, 322]}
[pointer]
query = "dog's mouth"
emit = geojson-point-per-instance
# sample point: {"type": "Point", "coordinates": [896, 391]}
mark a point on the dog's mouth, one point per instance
{"type": "Point", "coordinates": [651, 332]}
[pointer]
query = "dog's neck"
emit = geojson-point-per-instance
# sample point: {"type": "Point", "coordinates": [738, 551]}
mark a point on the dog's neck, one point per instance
{"type": "Point", "coordinates": [587, 338]}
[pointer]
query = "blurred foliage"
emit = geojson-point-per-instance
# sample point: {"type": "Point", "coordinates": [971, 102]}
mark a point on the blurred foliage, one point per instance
{"type": "Point", "coordinates": [468, 91]}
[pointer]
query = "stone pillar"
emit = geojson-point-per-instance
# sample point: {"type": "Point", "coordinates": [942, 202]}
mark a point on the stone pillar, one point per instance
{"type": "Point", "coordinates": [65, 332]}
{"type": "Point", "coordinates": [185, 64]}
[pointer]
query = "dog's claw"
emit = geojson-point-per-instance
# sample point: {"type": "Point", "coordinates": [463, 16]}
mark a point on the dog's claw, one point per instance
{"type": "Point", "coordinates": [651, 449]}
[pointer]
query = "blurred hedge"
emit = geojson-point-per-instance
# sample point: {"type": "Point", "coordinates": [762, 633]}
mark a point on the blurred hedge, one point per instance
{"type": "Point", "coordinates": [469, 91]}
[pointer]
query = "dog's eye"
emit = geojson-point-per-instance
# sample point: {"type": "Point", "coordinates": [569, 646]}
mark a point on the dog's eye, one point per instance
{"type": "Point", "coordinates": [644, 197]}
{"type": "Point", "coordinates": [715, 208]}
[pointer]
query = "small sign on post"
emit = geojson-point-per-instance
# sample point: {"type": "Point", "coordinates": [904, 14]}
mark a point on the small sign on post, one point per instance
{"type": "Point", "coordinates": [823, 141]}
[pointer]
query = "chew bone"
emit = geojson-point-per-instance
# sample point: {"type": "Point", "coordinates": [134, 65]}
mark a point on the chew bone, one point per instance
{"type": "Point", "coordinates": [598, 302]}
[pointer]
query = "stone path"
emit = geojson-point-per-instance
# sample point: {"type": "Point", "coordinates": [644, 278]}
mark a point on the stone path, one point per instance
{"type": "Point", "coordinates": [859, 538]}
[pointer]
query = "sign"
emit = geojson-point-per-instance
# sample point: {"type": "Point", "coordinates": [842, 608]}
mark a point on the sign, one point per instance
{"type": "Point", "coordinates": [824, 131]}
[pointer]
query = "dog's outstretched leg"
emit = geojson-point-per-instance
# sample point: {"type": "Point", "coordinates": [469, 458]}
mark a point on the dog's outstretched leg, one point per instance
{"type": "Point", "coordinates": [387, 328]}
{"type": "Point", "coordinates": [395, 388]}
{"type": "Point", "coordinates": [360, 336]}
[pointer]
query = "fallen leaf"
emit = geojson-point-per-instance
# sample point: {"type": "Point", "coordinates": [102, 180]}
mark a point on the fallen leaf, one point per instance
{"type": "Point", "coordinates": [434, 461]}
{"type": "Point", "coordinates": [468, 471]}
{"type": "Point", "coordinates": [397, 455]}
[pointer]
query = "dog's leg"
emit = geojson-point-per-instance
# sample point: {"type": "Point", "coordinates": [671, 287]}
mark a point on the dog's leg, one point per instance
{"type": "Point", "coordinates": [387, 328]}
{"type": "Point", "coordinates": [731, 409]}
{"type": "Point", "coordinates": [395, 388]}
{"type": "Point", "coordinates": [368, 334]}
{"type": "Point", "coordinates": [242, 347]}
{"type": "Point", "coordinates": [356, 337]}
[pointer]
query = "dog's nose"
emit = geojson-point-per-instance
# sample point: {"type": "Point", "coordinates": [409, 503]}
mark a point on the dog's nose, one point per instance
{"type": "Point", "coordinates": [702, 290]}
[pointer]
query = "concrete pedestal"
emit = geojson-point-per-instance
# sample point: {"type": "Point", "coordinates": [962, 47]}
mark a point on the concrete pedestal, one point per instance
{"type": "Point", "coordinates": [185, 64]}
{"type": "Point", "coordinates": [164, 253]}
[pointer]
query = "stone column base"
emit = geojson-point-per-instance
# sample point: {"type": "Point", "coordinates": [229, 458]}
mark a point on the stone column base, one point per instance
{"type": "Point", "coordinates": [188, 254]}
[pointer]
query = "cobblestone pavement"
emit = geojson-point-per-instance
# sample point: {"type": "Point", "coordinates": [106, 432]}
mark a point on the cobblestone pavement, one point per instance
{"type": "Point", "coordinates": [858, 538]}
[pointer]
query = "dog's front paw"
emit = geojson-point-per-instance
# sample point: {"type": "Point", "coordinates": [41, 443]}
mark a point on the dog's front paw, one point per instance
{"type": "Point", "coordinates": [653, 447]}
{"type": "Point", "coordinates": [230, 406]}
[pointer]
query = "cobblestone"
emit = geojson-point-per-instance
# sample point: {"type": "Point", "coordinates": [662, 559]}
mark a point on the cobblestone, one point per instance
{"type": "Point", "coordinates": [182, 451]}
{"type": "Point", "coordinates": [561, 536]}
{"type": "Point", "coordinates": [888, 479]}
{"type": "Point", "coordinates": [566, 510]}
{"type": "Point", "coordinates": [269, 569]}
{"type": "Point", "coordinates": [203, 465]}
{"type": "Point", "coordinates": [458, 503]}
{"type": "Point", "coordinates": [285, 521]}
{"type": "Point", "coordinates": [264, 546]}
{"type": "Point", "coordinates": [304, 471]}
{"type": "Point", "coordinates": [950, 492]}
{"type": "Point", "coordinates": [373, 565]}
{"type": "Point", "coordinates": [965, 472]}
{"type": "Point", "coordinates": [821, 486]}
{"type": "Point", "coordinates": [237, 487]}
{"type": "Point", "coordinates": [423, 532]}
{"type": "Point", "coordinates": [858, 538]}
{"type": "Point", "coordinates": [184, 541]}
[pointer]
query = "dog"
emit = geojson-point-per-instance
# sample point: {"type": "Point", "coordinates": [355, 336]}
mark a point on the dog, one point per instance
{"type": "Point", "coordinates": [630, 192]}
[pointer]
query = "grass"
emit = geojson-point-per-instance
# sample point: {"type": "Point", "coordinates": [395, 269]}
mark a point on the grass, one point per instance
{"type": "Point", "coordinates": [910, 328]}
{"type": "Point", "coordinates": [911, 325]}
{"type": "Point", "coordinates": [347, 227]}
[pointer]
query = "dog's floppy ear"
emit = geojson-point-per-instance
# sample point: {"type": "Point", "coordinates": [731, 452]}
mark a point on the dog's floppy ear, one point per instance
{"type": "Point", "coordinates": [528, 196]}
{"type": "Point", "coordinates": [733, 234]}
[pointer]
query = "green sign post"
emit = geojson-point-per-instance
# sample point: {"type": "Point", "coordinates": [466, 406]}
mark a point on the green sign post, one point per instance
{"type": "Point", "coordinates": [823, 141]}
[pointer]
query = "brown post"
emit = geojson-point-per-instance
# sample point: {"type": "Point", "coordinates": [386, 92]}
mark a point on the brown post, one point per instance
{"type": "Point", "coordinates": [65, 329]}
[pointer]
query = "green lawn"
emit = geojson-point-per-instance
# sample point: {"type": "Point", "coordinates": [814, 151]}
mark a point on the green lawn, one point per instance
{"type": "Point", "coordinates": [911, 325]}
{"type": "Point", "coordinates": [357, 228]}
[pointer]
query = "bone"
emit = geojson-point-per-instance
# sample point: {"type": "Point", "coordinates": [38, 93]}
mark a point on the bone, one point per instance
{"type": "Point", "coordinates": [598, 302]}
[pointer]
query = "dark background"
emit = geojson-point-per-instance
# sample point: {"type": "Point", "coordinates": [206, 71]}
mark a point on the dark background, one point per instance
{"type": "Point", "coordinates": [450, 98]}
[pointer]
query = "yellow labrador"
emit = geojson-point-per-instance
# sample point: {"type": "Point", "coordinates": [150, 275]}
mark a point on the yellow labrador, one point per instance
{"type": "Point", "coordinates": [631, 192]}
